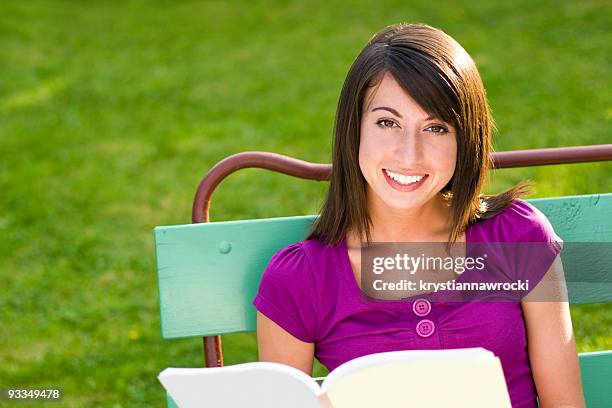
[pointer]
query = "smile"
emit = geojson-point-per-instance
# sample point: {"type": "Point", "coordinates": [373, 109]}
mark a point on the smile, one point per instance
{"type": "Point", "coordinates": [404, 182]}
{"type": "Point", "coordinates": [402, 179]}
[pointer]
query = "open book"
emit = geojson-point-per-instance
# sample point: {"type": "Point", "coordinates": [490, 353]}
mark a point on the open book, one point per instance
{"type": "Point", "coordinates": [470, 377]}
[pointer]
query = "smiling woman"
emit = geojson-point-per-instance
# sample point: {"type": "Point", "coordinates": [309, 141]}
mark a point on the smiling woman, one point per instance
{"type": "Point", "coordinates": [420, 91]}
{"type": "Point", "coordinates": [412, 148]}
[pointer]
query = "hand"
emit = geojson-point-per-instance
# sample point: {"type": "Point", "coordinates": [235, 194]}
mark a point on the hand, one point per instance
{"type": "Point", "coordinates": [325, 402]}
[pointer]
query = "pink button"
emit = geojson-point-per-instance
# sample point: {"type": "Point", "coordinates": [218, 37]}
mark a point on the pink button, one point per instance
{"type": "Point", "coordinates": [425, 328]}
{"type": "Point", "coordinates": [421, 307]}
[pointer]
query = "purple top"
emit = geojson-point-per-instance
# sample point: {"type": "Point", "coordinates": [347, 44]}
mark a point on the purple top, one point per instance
{"type": "Point", "coordinates": [309, 290]}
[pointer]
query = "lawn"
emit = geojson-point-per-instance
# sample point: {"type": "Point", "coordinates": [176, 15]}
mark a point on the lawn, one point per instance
{"type": "Point", "coordinates": [111, 114]}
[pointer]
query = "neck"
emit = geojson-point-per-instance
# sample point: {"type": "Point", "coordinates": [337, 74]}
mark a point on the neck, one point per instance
{"type": "Point", "coordinates": [428, 223]}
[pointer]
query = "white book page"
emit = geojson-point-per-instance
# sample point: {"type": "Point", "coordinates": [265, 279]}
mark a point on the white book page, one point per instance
{"type": "Point", "coordinates": [461, 379]}
{"type": "Point", "coordinates": [371, 360]}
{"type": "Point", "coordinates": [257, 385]}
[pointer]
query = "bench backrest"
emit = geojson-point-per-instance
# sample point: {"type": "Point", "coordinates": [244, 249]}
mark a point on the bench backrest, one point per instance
{"type": "Point", "coordinates": [209, 273]}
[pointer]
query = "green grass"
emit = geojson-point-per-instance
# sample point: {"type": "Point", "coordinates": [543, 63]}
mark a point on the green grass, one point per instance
{"type": "Point", "coordinates": [111, 114]}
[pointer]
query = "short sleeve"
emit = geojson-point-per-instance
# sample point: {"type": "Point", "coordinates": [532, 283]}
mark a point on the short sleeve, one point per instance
{"type": "Point", "coordinates": [287, 294]}
{"type": "Point", "coordinates": [537, 243]}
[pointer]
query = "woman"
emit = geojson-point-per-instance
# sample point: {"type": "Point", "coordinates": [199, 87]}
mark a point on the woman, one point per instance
{"type": "Point", "coordinates": [411, 153]}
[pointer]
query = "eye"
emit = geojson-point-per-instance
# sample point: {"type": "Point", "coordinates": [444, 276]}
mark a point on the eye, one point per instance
{"type": "Point", "coordinates": [386, 123]}
{"type": "Point", "coordinates": [438, 129]}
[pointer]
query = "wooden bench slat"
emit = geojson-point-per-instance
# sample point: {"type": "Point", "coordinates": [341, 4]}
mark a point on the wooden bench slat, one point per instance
{"type": "Point", "coordinates": [596, 372]}
{"type": "Point", "coordinates": [582, 218]}
{"type": "Point", "coordinates": [204, 291]}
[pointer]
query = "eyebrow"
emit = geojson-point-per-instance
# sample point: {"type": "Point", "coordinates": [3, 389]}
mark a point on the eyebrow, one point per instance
{"type": "Point", "coordinates": [396, 113]}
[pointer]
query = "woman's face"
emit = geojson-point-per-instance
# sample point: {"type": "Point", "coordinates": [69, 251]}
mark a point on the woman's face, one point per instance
{"type": "Point", "coordinates": [405, 156]}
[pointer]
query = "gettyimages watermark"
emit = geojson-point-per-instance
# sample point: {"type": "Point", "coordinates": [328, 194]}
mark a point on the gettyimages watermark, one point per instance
{"type": "Point", "coordinates": [487, 271]}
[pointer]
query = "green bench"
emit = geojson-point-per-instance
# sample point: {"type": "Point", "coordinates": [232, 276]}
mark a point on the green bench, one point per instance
{"type": "Point", "coordinates": [208, 272]}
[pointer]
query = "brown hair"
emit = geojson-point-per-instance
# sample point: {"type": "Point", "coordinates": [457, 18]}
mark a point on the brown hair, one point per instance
{"type": "Point", "coordinates": [443, 79]}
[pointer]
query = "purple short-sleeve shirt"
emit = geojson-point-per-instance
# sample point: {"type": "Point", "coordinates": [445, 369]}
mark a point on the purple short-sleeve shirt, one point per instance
{"type": "Point", "coordinates": [309, 289]}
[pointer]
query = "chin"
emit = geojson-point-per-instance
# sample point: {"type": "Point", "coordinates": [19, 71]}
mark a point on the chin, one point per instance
{"type": "Point", "coordinates": [404, 204]}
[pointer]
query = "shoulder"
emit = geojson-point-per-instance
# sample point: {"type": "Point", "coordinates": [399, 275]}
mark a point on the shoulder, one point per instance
{"type": "Point", "coordinates": [297, 262]}
{"type": "Point", "coordinates": [308, 264]}
{"type": "Point", "coordinates": [521, 221]}
{"type": "Point", "coordinates": [523, 242]}
{"type": "Point", "coordinates": [301, 253]}
{"type": "Point", "coordinates": [288, 291]}
{"type": "Point", "coordinates": [288, 268]}
{"type": "Point", "coordinates": [288, 258]}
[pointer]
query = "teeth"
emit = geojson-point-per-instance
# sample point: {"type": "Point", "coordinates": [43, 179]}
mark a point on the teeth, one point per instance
{"type": "Point", "coordinates": [400, 178]}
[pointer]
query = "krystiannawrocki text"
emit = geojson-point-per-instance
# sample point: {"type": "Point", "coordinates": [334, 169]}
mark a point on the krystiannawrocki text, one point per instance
{"type": "Point", "coordinates": [405, 284]}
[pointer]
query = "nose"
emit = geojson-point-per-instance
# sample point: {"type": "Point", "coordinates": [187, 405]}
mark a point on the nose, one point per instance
{"type": "Point", "coordinates": [409, 149]}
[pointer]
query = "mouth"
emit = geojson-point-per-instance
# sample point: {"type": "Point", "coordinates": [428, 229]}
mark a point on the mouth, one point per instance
{"type": "Point", "coordinates": [405, 182]}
